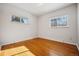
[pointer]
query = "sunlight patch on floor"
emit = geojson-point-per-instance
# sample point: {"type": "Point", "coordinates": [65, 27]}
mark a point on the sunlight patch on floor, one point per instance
{"type": "Point", "coordinates": [17, 51]}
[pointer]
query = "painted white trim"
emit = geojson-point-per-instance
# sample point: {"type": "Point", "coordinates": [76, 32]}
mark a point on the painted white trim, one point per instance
{"type": "Point", "coordinates": [18, 41]}
{"type": "Point", "coordinates": [57, 40]}
{"type": "Point", "coordinates": [77, 46]}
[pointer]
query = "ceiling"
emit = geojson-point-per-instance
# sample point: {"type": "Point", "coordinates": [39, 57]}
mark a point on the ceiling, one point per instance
{"type": "Point", "coordinates": [40, 8]}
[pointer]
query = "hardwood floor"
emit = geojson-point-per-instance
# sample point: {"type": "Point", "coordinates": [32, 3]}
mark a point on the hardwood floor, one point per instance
{"type": "Point", "coordinates": [44, 47]}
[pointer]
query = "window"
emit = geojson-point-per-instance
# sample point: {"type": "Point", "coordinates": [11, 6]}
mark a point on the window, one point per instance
{"type": "Point", "coordinates": [24, 20]}
{"type": "Point", "coordinates": [20, 19]}
{"type": "Point", "coordinates": [59, 21]}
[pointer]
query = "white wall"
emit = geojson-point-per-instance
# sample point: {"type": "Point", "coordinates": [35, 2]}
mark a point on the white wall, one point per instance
{"type": "Point", "coordinates": [78, 23]}
{"type": "Point", "coordinates": [12, 31]}
{"type": "Point", "coordinates": [1, 24]}
{"type": "Point", "coordinates": [67, 35]}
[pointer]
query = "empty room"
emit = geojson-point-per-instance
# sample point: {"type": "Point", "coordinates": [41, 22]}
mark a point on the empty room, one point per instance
{"type": "Point", "coordinates": [39, 29]}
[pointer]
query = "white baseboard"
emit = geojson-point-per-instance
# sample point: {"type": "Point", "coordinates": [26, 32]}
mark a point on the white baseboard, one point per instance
{"type": "Point", "coordinates": [57, 40]}
{"type": "Point", "coordinates": [40, 37]}
{"type": "Point", "coordinates": [77, 46]}
{"type": "Point", "coordinates": [18, 41]}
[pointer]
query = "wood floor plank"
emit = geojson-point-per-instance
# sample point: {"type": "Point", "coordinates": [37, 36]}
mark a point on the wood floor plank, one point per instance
{"type": "Point", "coordinates": [45, 47]}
